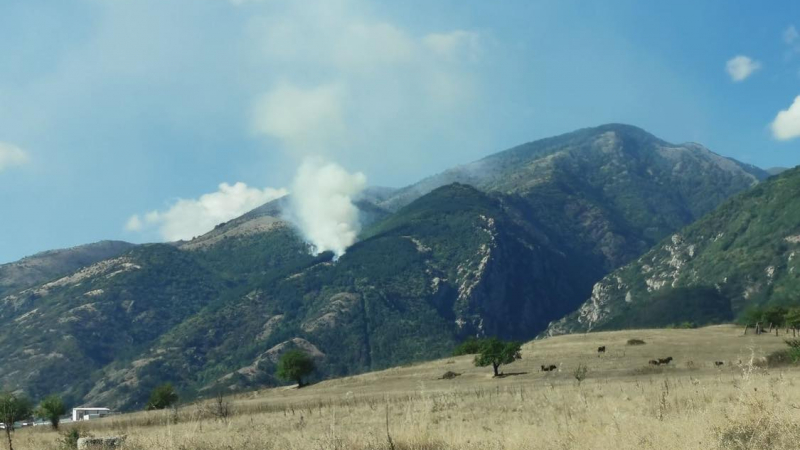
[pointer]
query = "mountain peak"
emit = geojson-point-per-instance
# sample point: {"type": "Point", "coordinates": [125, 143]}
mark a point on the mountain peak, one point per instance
{"type": "Point", "coordinates": [624, 130]}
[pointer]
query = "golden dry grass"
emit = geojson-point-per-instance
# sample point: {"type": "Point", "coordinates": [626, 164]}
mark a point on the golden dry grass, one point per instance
{"type": "Point", "coordinates": [622, 404]}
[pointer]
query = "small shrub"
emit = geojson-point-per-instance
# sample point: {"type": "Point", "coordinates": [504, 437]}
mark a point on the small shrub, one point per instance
{"type": "Point", "coordinates": [220, 408]}
{"type": "Point", "coordinates": [69, 439]}
{"type": "Point", "coordinates": [757, 424]}
{"type": "Point", "coordinates": [580, 373]}
{"type": "Point", "coordinates": [162, 397]}
{"type": "Point", "coordinates": [793, 343]}
{"type": "Point", "coordinates": [787, 356]}
{"type": "Point", "coordinates": [635, 342]}
{"type": "Point", "coordinates": [449, 375]}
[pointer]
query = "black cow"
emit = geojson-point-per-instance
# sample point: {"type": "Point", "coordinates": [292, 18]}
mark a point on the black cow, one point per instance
{"type": "Point", "coordinates": [548, 368]}
{"type": "Point", "coordinates": [665, 360]}
{"type": "Point", "coordinates": [719, 363]}
{"type": "Point", "coordinates": [601, 349]}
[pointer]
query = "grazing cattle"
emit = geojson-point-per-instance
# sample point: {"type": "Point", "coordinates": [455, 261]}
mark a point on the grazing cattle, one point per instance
{"type": "Point", "coordinates": [548, 368]}
{"type": "Point", "coordinates": [719, 363]}
{"type": "Point", "coordinates": [653, 362]}
{"type": "Point", "coordinates": [665, 360]}
{"type": "Point", "coordinates": [601, 349]}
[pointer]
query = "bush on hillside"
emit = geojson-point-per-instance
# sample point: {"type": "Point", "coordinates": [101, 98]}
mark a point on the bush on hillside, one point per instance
{"type": "Point", "coordinates": [295, 365]}
{"type": "Point", "coordinates": [787, 356]}
{"type": "Point", "coordinates": [471, 346]}
{"type": "Point", "coordinates": [162, 397]}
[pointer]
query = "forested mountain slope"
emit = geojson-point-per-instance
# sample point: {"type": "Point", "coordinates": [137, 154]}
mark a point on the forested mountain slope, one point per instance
{"type": "Point", "coordinates": [745, 253]}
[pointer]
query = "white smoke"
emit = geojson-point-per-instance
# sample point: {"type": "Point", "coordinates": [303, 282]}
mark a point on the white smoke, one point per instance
{"type": "Point", "coordinates": [321, 205]}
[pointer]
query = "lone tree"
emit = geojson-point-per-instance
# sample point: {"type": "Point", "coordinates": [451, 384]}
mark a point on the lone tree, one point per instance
{"type": "Point", "coordinates": [12, 409]}
{"type": "Point", "coordinates": [52, 408]}
{"type": "Point", "coordinates": [162, 397]}
{"type": "Point", "coordinates": [295, 365]}
{"type": "Point", "coordinates": [495, 352]}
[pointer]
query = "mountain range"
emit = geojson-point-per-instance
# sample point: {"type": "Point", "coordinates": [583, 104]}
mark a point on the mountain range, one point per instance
{"type": "Point", "coordinates": [503, 246]}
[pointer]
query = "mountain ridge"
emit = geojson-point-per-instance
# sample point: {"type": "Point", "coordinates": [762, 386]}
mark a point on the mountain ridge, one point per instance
{"type": "Point", "coordinates": [517, 246]}
{"type": "Point", "coordinates": [466, 173]}
{"type": "Point", "coordinates": [50, 264]}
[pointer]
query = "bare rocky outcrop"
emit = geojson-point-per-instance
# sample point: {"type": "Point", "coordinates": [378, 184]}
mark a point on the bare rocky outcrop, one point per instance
{"type": "Point", "coordinates": [101, 443]}
{"type": "Point", "coordinates": [269, 327]}
{"type": "Point", "coordinates": [258, 225]}
{"type": "Point", "coordinates": [338, 305]}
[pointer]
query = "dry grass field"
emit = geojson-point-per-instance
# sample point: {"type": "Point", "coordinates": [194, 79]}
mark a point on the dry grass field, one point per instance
{"type": "Point", "coordinates": [623, 403]}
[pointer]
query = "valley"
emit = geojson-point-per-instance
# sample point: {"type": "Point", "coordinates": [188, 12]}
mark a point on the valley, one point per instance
{"type": "Point", "coordinates": [623, 403]}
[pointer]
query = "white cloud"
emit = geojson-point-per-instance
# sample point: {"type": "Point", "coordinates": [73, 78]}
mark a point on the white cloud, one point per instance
{"type": "Point", "coordinates": [307, 119]}
{"type": "Point", "coordinates": [790, 35]}
{"type": "Point", "coordinates": [456, 45]}
{"type": "Point", "coordinates": [787, 123]}
{"type": "Point", "coordinates": [11, 155]}
{"type": "Point", "coordinates": [740, 67]}
{"type": "Point", "coordinates": [330, 34]}
{"type": "Point", "coordinates": [345, 81]}
{"type": "Point", "coordinates": [187, 218]}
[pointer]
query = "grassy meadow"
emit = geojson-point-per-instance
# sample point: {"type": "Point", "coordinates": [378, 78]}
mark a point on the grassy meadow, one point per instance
{"type": "Point", "coordinates": [623, 403]}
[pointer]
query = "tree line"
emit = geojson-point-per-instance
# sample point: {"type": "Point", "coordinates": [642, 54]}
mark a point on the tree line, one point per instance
{"type": "Point", "coordinates": [777, 316]}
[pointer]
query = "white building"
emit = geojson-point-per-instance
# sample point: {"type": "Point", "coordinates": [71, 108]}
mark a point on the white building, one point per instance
{"type": "Point", "coordinates": [89, 413]}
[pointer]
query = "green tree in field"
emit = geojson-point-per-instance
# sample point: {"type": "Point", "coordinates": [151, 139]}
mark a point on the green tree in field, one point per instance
{"type": "Point", "coordinates": [775, 315]}
{"type": "Point", "coordinates": [792, 317]}
{"type": "Point", "coordinates": [52, 408]}
{"type": "Point", "coordinates": [494, 352]}
{"type": "Point", "coordinates": [12, 409]}
{"type": "Point", "coordinates": [295, 365]}
{"type": "Point", "coordinates": [752, 315]}
{"type": "Point", "coordinates": [162, 397]}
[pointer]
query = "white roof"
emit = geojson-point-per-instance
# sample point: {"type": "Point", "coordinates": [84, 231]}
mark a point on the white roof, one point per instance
{"type": "Point", "coordinates": [91, 409]}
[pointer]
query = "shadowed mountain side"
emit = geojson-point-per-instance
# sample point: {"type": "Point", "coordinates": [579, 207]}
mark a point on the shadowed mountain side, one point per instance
{"type": "Point", "coordinates": [743, 254]}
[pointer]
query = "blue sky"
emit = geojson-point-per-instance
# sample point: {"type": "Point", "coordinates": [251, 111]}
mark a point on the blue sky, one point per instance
{"type": "Point", "coordinates": [122, 119]}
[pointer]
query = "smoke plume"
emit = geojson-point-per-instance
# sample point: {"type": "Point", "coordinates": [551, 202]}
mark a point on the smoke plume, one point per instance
{"type": "Point", "coordinates": [321, 205]}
